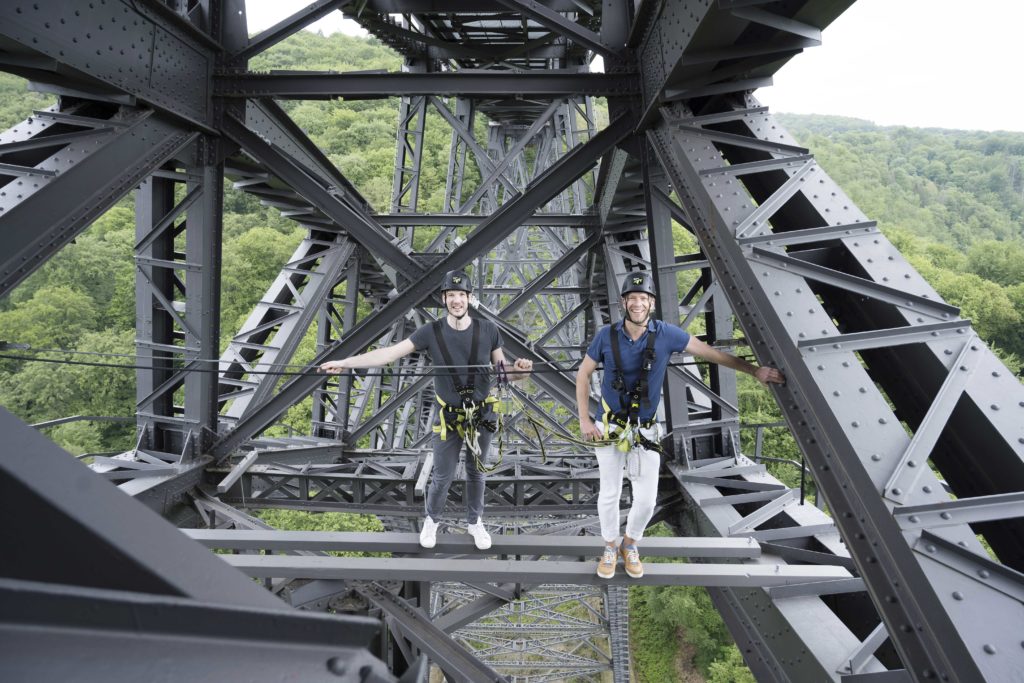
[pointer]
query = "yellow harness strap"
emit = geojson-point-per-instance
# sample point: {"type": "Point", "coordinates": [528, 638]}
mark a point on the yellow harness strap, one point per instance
{"type": "Point", "coordinates": [465, 424]}
{"type": "Point", "coordinates": [628, 437]}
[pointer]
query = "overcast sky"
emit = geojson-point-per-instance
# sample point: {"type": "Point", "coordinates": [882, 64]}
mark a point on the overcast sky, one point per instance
{"type": "Point", "coordinates": [920, 63]}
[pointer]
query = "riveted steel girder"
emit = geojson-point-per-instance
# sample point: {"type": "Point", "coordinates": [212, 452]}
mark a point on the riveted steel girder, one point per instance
{"type": "Point", "coordinates": [72, 180]}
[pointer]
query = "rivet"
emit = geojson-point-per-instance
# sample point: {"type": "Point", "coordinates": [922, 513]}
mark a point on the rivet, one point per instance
{"type": "Point", "coordinates": [913, 519]}
{"type": "Point", "coordinates": [855, 423]}
{"type": "Point", "coordinates": [926, 489]}
{"type": "Point", "coordinates": [930, 548]}
{"type": "Point", "coordinates": [983, 573]}
{"type": "Point", "coordinates": [876, 457]}
{"type": "Point", "coordinates": [945, 515]}
{"type": "Point", "coordinates": [882, 421]}
{"type": "Point", "coordinates": [897, 492]}
{"type": "Point", "coordinates": [337, 666]}
{"type": "Point", "coordinates": [989, 649]}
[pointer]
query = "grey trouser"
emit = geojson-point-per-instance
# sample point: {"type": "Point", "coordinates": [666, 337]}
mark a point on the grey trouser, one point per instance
{"type": "Point", "coordinates": [446, 461]}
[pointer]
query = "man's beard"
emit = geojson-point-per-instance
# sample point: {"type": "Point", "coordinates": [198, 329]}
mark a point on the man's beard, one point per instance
{"type": "Point", "coordinates": [647, 317]}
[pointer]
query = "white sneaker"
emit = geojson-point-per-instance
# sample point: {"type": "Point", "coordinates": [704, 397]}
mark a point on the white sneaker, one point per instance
{"type": "Point", "coordinates": [428, 534]}
{"type": "Point", "coordinates": [481, 538]}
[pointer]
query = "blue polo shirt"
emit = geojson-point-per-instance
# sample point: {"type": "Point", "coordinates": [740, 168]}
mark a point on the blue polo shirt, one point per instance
{"type": "Point", "coordinates": [671, 339]}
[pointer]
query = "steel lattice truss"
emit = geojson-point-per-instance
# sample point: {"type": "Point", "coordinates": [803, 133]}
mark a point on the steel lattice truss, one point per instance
{"type": "Point", "coordinates": [909, 425]}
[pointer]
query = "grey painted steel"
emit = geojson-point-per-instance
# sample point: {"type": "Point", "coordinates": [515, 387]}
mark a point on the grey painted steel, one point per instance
{"type": "Point", "coordinates": [286, 27]}
{"type": "Point", "coordinates": [355, 86]}
{"type": "Point", "coordinates": [359, 226]}
{"type": "Point", "coordinates": [661, 574]}
{"type": "Point", "coordinates": [969, 511]}
{"type": "Point", "coordinates": [142, 49]}
{"type": "Point", "coordinates": [97, 536]}
{"type": "Point", "coordinates": [461, 544]}
{"type": "Point", "coordinates": [186, 639]}
{"type": "Point", "coordinates": [561, 24]}
{"type": "Point", "coordinates": [269, 337]}
{"type": "Point", "coordinates": [430, 219]}
{"type": "Point", "coordinates": [807, 623]}
{"type": "Point", "coordinates": [390, 488]}
{"type": "Point", "coordinates": [268, 120]}
{"type": "Point", "coordinates": [905, 585]}
{"type": "Point", "coordinates": [34, 223]}
{"type": "Point", "coordinates": [168, 309]}
{"type": "Point", "coordinates": [415, 625]}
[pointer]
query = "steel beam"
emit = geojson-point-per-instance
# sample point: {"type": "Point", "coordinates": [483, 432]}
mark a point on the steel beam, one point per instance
{"type": "Point", "coordinates": [191, 639]}
{"type": "Point", "coordinates": [527, 544]}
{"type": "Point", "coordinates": [534, 572]}
{"type": "Point", "coordinates": [361, 227]}
{"type": "Point", "coordinates": [361, 86]}
{"type": "Point", "coordinates": [142, 49]}
{"type": "Point", "coordinates": [456, 662]}
{"type": "Point", "coordinates": [48, 212]}
{"type": "Point", "coordinates": [96, 535]}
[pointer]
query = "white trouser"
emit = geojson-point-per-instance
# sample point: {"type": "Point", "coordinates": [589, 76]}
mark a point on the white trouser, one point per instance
{"type": "Point", "coordinates": [642, 466]}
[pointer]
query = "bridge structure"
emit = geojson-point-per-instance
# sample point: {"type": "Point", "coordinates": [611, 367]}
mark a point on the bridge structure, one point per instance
{"type": "Point", "coordinates": [561, 178]}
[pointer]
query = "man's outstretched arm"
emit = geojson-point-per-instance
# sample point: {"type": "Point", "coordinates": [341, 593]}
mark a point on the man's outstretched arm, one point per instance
{"type": "Point", "coordinates": [370, 359]}
{"type": "Point", "coordinates": [764, 375]}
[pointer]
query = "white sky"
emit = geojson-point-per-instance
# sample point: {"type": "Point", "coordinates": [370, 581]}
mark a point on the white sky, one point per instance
{"type": "Point", "coordinates": [919, 63]}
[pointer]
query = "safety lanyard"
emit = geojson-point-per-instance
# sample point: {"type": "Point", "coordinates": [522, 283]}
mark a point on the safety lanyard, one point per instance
{"type": "Point", "coordinates": [465, 385]}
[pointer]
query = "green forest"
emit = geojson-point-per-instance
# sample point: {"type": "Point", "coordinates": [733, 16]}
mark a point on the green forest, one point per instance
{"type": "Point", "coordinates": [951, 201]}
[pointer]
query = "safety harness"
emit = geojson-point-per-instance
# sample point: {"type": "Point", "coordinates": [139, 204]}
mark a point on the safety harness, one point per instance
{"type": "Point", "coordinates": [627, 418]}
{"type": "Point", "coordinates": [466, 419]}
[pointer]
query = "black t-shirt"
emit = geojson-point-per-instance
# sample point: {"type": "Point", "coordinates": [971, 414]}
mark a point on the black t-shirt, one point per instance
{"type": "Point", "coordinates": [459, 343]}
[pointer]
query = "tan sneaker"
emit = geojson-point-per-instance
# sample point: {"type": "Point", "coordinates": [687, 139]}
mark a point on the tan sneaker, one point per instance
{"type": "Point", "coordinates": [631, 560]}
{"type": "Point", "coordinates": [606, 567]}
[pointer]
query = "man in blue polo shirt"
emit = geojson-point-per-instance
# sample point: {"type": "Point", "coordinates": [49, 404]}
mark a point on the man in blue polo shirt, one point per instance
{"type": "Point", "coordinates": [635, 354]}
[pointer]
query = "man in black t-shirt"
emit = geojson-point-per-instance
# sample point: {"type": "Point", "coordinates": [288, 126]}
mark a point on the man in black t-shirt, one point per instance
{"type": "Point", "coordinates": [462, 345]}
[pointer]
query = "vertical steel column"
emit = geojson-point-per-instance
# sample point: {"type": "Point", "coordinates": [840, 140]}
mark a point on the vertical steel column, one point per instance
{"type": "Point", "coordinates": [178, 302]}
{"type": "Point", "coordinates": [337, 315]}
{"type": "Point", "coordinates": [412, 115]}
{"type": "Point", "coordinates": [662, 245]}
{"type": "Point", "coordinates": [465, 114]}
{"type": "Point", "coordinates": [202, 301]}
{"type": "Point", "coordinates": [154, 200]}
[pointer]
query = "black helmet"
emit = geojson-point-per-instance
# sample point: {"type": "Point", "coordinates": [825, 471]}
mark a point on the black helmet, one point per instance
{"type": "Point", "coordinates": [638, 281]}
{"type": "Point", "coordinates": [457, 280]}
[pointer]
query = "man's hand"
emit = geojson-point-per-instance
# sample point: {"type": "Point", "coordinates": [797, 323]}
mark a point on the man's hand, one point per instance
{"type": "Point", "coordinates": [523, 364]}
{"type": "Point", "coordinates": [768, 376]}
{"type": "Point", "coordinates": [589, 430]}
{"type": "Point", "coordinates": [333, 367]}
{"type": "Point", "coordinates": [520, 370]}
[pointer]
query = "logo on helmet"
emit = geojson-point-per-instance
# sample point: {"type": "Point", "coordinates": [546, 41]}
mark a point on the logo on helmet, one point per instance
{"type": "Point", "coordinates": [638, 280]}
{"type": "Point", "coordinates": [457, 280]}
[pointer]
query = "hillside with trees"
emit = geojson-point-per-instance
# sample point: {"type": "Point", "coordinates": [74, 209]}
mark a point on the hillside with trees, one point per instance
{"type": "Point", "coordinates": [952, 201]}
